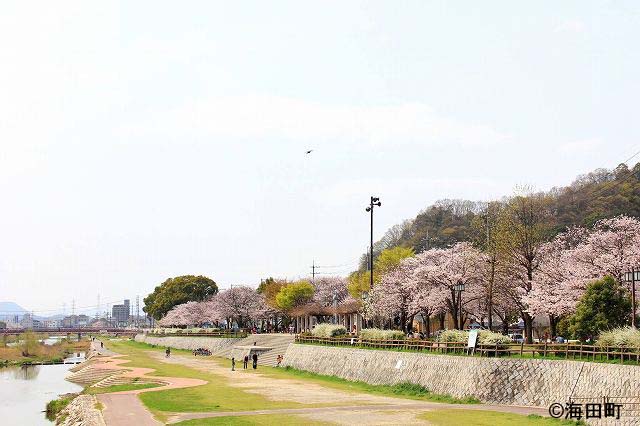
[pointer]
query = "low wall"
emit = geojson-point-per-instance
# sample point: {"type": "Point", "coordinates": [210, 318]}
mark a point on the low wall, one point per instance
{"type": "Point", "coordinates": [214, 344]}
{"type": "Point", "coordinates": [532, 382]}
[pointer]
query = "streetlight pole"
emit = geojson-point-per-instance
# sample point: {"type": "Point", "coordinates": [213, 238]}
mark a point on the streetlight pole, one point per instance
{"type": "Point", "coordinates": [375, 201]}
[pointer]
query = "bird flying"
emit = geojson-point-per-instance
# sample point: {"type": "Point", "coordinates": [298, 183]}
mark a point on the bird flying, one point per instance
{"type": "Point", "coordinates": [310, 151]}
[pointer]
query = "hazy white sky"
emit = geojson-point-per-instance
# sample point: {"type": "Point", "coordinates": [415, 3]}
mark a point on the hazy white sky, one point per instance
{"type": "Point", "coordinates": [144, 140]}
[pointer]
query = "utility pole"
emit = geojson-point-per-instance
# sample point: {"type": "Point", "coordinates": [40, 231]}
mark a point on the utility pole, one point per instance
{"type": "Point", "coordinates": [98, 307]}
{"type": "Point", "coordinates": [73, 307]}
{"type": "Point", "coordinates": [313, 271]}
{"type": "Point", "coordinates": [375, 201]}
{"type": "Point", "coordinates": [137, 309]}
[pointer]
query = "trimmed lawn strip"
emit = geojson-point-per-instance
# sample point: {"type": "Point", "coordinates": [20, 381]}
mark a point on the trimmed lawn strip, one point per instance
{"type": "Point", "coordinates": [400, 390]}
{"type": "Point", "coordinates": [119, 388]}
{"type": "Point", "coordinates": [259, 420]}
{"type": "Point", "coordinates": [490, 418]}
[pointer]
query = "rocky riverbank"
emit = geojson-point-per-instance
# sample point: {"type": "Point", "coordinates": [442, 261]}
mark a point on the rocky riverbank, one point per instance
{"type": "Point", "coordinates": [84, 410]}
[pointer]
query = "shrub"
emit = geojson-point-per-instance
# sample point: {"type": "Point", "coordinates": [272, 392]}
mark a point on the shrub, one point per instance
{"type": "Point", "coordinates": [328, 330]}
{"type": "Point", "coordinates": [376, 333]}
{"type": "Point", "coordinates": [486, 337]}
{"type": "Point", "coordinates": [627, 337]}
{"type": "Point", "coordinates": [453, 336]}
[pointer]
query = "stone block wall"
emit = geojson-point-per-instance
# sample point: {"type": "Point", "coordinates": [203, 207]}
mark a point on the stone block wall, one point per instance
{"type": "Point", "coordinates": [214, 344]}
{"type": "Point", "coordinates": [532, 382]}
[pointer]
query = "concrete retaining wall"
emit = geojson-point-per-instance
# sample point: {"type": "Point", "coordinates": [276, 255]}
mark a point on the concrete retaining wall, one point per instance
{"type": "Point", "coordinates": [495, 380]}
{"type": "Point", "coordinates": [214, 344]}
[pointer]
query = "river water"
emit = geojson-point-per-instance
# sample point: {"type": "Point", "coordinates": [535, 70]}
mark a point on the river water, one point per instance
{"type": "Point", "coordinates": [25, 391]}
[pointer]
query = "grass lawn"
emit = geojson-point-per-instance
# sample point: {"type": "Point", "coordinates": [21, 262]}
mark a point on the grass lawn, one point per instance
{"type": "Point", "coordinates": [401, 390]}
{"type": "Point", "coordinates": [262, 420]}
{"type": "Point", "coordinates": [217, 395]}
{"type": "Point", "coordinates": [489, 418]}
{"type": "Point", "coordinates": [118, 388]}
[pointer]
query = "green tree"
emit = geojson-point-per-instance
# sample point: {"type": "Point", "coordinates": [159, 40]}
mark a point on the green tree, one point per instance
{"type": "Point", "coordinates": [294, 294]}
{"type": "Point", "coordinates": [605, 305]}
{"type": "Point", "coordinates": [390, 258]}
{"type": "Point", "coordinates": [178, 290]}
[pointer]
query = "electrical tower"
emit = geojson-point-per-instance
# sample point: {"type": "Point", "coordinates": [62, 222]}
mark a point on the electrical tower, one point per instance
{"type": "Point", "coordinates": [137, 310]}
{"type": "Point", "coordinates": [73, 307]}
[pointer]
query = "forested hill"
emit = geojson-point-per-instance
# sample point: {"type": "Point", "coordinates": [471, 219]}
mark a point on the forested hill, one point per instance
{"type": "Point", "coordinates": [600, 194]}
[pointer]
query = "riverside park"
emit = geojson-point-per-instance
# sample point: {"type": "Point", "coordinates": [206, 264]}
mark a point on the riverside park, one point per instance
{"type": "Point", "coordinates": [288, 212]}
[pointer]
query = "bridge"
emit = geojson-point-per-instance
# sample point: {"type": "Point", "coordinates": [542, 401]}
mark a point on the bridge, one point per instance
{"type": "Point", "coordinates": [73, 330]}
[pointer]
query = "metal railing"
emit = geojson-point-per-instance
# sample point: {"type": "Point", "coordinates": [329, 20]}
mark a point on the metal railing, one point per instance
{"type": "Point", "coordinates": [216, 333]}
{"type": "Point", "coordinates": [576, 351]}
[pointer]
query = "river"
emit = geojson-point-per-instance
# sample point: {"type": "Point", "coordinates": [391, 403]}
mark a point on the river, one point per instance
{"type": "Point", "coordinates": [25, 391]}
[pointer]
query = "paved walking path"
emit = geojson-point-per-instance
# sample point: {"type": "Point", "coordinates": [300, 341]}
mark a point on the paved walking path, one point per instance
{"type": "Point", "coordinates": [122, 409]}
{"type": "Point", "coordinates": [336, 411]}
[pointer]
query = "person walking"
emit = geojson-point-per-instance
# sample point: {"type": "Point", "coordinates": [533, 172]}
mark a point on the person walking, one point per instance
{"type": "Point", "coordinates": [246, 361]}
{"type": "Point", "coordinates": [101, 345]}
{"type": "Point", "coordinates": [233, 364]}
{"type": "Point", "coordinates": [168, 352]}
{"type": "Point", "coordinates": [255, 361]}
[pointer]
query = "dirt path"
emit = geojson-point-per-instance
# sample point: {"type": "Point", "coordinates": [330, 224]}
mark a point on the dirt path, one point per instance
{"type": "Point", "coordinates": [125, 409]}
{"type": "Point", "coordinates": [351, 407]}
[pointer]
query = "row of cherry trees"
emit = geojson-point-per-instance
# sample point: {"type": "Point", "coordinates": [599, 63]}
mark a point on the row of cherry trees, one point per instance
{"type": "Point", "coordinates": [524, 281]}
{"type": "Point", "coordinates": [244, 306]}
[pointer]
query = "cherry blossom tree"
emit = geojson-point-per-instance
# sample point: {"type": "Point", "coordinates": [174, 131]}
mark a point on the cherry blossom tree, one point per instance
{"type": "Point", "coordinates": [611, 248]}
{"type": "Point", "coordinates": [241, 304]}
{"type": "Point", "coordinates": [326, 288]}
{"type": "Point", "coordinates": [392, 295]}
{"type": "Point", "coordinates": [443, 269]}
{"type": "Point", "coordinates": [560, 278]}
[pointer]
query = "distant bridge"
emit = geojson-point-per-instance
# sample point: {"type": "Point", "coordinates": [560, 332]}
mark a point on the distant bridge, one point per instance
{"type": "Point", "coordinates": [72, 330]}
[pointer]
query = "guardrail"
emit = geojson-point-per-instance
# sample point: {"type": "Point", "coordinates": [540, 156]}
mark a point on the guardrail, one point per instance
{"type": "Point", "coordinates": [228, 334]}
{"type": "Point", "coordinates": [575, 351]}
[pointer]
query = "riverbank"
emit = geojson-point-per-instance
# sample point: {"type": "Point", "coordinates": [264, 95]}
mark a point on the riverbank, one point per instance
{"type": "Point", "coordinates": [31, 349]}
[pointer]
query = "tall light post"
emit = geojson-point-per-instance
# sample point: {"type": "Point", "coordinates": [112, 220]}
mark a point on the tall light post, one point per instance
{"type": "Point", "coordinates": [631, 277]}
{"type": "Point", "coordinates": [375, 201]}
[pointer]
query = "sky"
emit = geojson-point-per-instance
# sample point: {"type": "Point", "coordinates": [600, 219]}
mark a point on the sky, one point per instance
{"type": "Point", "coordinates": [146, 140]}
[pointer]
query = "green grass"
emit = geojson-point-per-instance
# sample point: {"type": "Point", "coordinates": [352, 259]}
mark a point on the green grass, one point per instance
{"type": "Point", "coordinates": [403, 390]}
{"type": "Point", "coordinates": [262, 420]}
{"type": "Point", "coordinates": [54, 407]}
{"type": "Point", "coordinates": [119, 388]}
{"type": "Point", "coordinates": [489, 418]}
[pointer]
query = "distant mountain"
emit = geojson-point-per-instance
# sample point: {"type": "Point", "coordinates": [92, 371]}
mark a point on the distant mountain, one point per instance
{"type": "Point", "coordinates": [10, 309]}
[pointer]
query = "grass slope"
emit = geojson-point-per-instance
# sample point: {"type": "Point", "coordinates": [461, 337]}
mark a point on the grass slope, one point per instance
{"type": "Point", "coordinates": [489, 418]}
{"type": "Point", "coordinates": [402, 390]}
